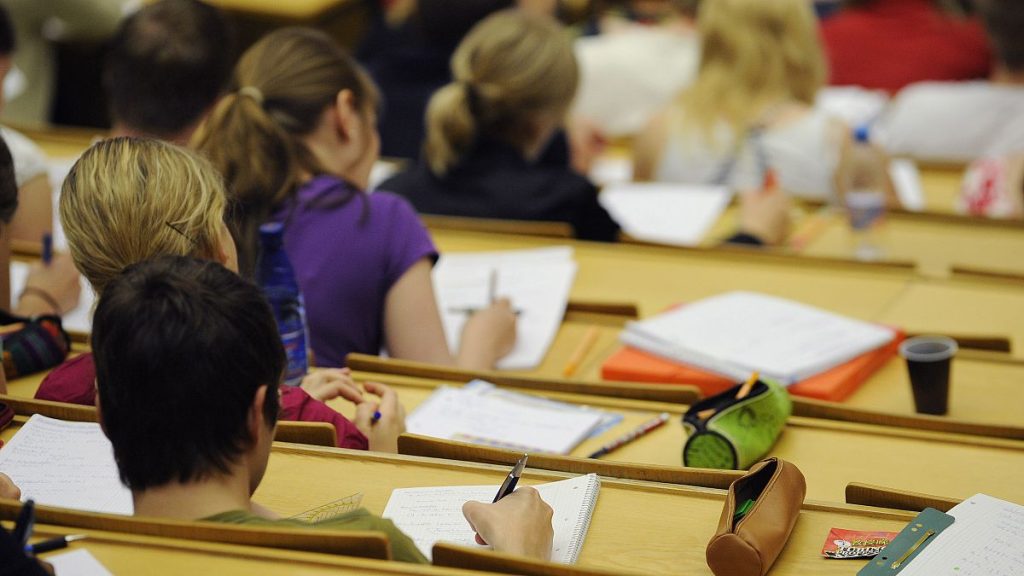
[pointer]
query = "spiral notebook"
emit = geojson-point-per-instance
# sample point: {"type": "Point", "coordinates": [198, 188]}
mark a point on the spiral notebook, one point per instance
{"type": "Point", "coordinates": [434, 514]}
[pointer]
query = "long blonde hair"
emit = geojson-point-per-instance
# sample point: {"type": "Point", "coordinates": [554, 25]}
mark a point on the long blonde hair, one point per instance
{"type": "Point", "coordinates": [754, 54]}
{"type": "Point", "coordinates": [509, 70]}
{"type": "Point", "coordinates": [129, 199]}
{"type": "Point", "coordinates": [280, 89]}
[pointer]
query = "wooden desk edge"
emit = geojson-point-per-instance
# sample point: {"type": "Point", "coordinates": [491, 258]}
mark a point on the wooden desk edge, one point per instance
{"type": "Point", "coordinates": [881, 497]}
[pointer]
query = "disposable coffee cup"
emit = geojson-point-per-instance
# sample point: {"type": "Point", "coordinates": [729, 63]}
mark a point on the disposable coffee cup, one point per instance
{"type": "Point", "coordinates": [928, 359]}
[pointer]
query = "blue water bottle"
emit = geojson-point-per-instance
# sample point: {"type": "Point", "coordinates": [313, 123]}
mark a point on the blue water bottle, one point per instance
{"type": "Point", "coordinates": [277, 278]}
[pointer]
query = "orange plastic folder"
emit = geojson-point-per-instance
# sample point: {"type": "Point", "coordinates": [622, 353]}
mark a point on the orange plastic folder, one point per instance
{"type": "Point", "coordinates": [835, 385]}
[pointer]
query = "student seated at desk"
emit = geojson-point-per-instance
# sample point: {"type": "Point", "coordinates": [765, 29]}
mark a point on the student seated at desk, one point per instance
{"type": "Point", "coordinates": [192, 439]}
{"type": "Point", "coordinates": [296, 140]}
{"type": "Point", "coordinates": [751, 108]}
{"type": "Point", "coordinates": [165, 68]}
{"type": "Point", "coordinates": [514, 78]}
{"type": "Point", "coordinates": [129, 199]}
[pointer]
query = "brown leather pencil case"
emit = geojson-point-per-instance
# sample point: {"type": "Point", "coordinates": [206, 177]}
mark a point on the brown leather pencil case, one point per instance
{"type": "Point", "coordinates": [748, 545]}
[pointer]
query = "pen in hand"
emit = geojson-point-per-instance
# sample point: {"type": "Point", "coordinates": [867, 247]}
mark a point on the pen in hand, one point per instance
{"type": "Point", "coordinates": [509, 485]}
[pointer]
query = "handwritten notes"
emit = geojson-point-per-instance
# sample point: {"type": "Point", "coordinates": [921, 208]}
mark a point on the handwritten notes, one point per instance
{"type": "Point", "coordinates": [536, 281]}
{"type": "Point", "coordinates": [66, 464]}
{"type": "Point", "coordinates": [987, 539]}
{"type": "Point", "coordinates": [482, 413]}
{"type": "Point", "coordinates": [431, 515]}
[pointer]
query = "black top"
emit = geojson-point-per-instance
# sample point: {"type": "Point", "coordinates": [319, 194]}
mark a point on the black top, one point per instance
{"type": "Point", "coordinates": [495, 181]}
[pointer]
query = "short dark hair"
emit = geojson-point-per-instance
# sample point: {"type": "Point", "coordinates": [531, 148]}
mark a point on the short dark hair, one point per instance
{"type": "Point", "coordinates": [181, 346]}
{"type": "Point", "coordinates": [8, 39]}
{"type": "Point", "coordinates": [1004, 22]}
{"type": "Point", "coordinates": [167, 64]}
{"type": "Point", "coordinates": [8, 185]}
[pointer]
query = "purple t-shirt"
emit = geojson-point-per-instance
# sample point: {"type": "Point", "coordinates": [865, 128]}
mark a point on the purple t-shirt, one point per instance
{"type": "Point", "coordinates": [348, 249]}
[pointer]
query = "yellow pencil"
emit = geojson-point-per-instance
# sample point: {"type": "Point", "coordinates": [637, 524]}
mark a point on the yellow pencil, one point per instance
{"type": "Point", "coordinates": [589, 339]}
{"type": "Point", "coordinates": [747, 386]}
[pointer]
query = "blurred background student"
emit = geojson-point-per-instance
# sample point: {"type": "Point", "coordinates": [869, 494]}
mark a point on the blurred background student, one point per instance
{"type": "Point", "coordinates": [295, 140]}
{"type": "Point", "coordinates": [514, 79]}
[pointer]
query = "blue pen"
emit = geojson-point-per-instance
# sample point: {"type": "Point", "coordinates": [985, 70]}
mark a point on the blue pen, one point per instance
{"type": "Point", "coordinates": [52, 544]}
{"type": "Point", "coordinates": [47, 248]}
{"type": "Point", "coordinates": [376, 417]}
{"type": "Point", "coordinates": [509, 485]}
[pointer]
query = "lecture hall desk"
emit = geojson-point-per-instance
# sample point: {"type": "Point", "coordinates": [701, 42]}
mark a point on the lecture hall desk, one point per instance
{"type": "Point", "coordinates": [638, 527]}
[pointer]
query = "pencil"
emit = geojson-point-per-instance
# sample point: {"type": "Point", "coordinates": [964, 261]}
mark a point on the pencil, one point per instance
{"type": "Point", "coordinates": [589, 339]}
{"type": "Point", "coordinates": [747, 386]}
{"type": "Point", "coordinates": [637, 432]}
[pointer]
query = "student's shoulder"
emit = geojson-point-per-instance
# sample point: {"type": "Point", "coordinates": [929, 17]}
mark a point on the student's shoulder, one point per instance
{"type": "Point", "coordinates": [391, 205]}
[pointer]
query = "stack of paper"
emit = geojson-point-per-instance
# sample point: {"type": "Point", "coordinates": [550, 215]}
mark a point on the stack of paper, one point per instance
{"type": "Point", "coordinates": [78, 320]}
{"type": "Point", "coordinates": [431, 515]}
{"type": "Point", "coordinates": [482, 413]}
{"type": "Point", "coordinates": [675, 214]}
{"type": "Point", "coordinates": [737, 333]}
{"type": "Point", "coordinates": [536, 281]}
{"type": "Point", "coordinates": [985, 540]}
{"type": "Point", "coordinates": [66, 464]}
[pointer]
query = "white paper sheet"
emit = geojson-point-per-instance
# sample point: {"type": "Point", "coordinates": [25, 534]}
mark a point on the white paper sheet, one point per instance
{"type": "Point", "coordinates": [675, 214]}
{"type": "Point", "coordinates": [484, 415]}
{"type": "Point", "coordinates": [854, 105]}
{"type": "Point", "coordinates": [431, 515]}
{"type": "Point", "coordinates": [77, 563]}
{"type": "Point", "coordinates": [736, 333]}
{"type": "Point", "coordinates": [536, 281]}
{"type": "Point", "coordinates": [987, 539]}
{"type": "Point", "coordinates": [77, 320]}
{"type": "Point", "coordinates": [66, 464]}
{"type": "Point", "coordinates": [907, 180]}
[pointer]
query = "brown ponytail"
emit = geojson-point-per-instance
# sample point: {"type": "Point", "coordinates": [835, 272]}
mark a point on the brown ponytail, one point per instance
{"type": "Point", "coordinates": [280, 89]}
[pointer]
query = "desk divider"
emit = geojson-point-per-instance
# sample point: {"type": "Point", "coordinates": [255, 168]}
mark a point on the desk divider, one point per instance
{"type": "Point", "coordinates": [314, 433]}
{"type": "Point", "coordinates": [672, 394]}
{"type": "Point", "coordinates": [881, 497]}
{"type": "Point", "coordinates": [973, 273]}
{"type": "Point", "coordinates": [416, 445]}
{"type": "Point", "coordinates": [454, 556]}
{"type": "Point", "coordinates": [545, 229]}
{"type": "Point", "coordinates": [365, 544]}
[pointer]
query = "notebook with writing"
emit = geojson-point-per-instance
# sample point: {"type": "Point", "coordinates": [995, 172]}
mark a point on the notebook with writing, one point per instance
{"type": "Point", "coordinates": [434, 514]}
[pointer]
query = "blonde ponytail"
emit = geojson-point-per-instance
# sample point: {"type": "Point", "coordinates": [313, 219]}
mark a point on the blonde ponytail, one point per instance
{"type": "Point", "coordinates": [451, 128]}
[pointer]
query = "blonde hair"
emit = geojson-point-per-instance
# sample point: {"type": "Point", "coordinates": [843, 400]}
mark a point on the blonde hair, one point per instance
{"type": "Point", "coordinates": [129, 199]}
{"type": "Point", "coordinates": [511, 68]}
{"type": "Point", "coordinates": [754, 53]}
{"type": "Point", "coordinates": [280, 89]}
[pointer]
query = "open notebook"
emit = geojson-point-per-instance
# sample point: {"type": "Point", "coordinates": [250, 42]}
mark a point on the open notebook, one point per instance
{"type": "Point", "coordinates": [736, 333]}
{"type": "Point", "coordinates": [536, 281]}
{"type": "Point", "coordinates": [431, 515]}
{"type": "Point", "coordinates": [66, 464]}
{"type": "Point", "coordinates": [483, 413]}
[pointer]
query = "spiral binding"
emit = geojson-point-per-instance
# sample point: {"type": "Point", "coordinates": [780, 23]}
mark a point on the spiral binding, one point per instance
{"type": "Point", "coordinates": [580, 531]}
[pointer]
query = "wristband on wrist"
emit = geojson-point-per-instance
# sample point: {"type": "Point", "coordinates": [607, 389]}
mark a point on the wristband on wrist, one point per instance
{"type": "Point", "coordinates": [42, 295]}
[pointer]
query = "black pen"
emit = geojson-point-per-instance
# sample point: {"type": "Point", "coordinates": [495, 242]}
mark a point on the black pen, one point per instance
{"type": "Point", "coordinates": [26, 521]}
{"type": "Point", "coordinates": [512, 479]}
{"type": "Point", "coordinates": [52, 544]}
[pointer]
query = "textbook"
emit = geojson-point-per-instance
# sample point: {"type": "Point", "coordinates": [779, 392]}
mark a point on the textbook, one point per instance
{"type": "Point", "coordinates": [675, 214]}
{"type": "Point", "coordinates": [736, 333]}
{"type": "Point", "coordinates": [537, 282]}
{"type": "Point", "coordinates": [434, 514]}
{"type": "Point", "coordinates": [66, 464]}
{"type": "Point", "coordinates": [482, 413]}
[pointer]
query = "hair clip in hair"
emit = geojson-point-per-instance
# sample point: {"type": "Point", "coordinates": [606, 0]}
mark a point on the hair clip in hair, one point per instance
{"type": "Point", "coordinates": [185, 236]}
{"type": "Point", "coordinates": [252, 92]}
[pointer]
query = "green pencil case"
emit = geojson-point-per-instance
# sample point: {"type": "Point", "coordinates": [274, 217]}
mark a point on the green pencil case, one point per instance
{"type": "Point", "coordinates": [739, 432]}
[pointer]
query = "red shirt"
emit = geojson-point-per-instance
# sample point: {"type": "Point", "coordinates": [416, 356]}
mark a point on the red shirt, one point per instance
{"type": "Point", "coordinates": [73, 380]}
{"type": "Point", "coordinates": [892, 43]}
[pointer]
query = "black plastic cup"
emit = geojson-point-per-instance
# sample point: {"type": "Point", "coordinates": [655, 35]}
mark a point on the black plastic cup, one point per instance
{"type": "Point", "coordinates": [928, 359]}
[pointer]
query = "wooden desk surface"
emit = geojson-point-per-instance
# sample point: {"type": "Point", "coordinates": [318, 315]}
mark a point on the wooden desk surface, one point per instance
{"type": "Point", "coordinates": [830, 454]}
{"type": "Point", "coordinates": [134, 554]}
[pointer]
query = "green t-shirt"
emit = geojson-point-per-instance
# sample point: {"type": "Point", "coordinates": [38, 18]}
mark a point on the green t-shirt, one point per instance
{"type": "Point", "coordinates": [402, 547]}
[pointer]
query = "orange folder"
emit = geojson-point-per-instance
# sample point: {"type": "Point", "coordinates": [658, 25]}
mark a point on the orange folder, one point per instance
{"type": "Point", "coordinates": [835, 385]}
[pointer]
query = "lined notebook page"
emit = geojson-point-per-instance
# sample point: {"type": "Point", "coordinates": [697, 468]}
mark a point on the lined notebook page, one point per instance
{"type": "Point", "coordinates": [66, 464]}
{"type": "Point", "coordinates": [736, 333]}
{"type": "Point", "coordinates": [987, 539]}
{"type": "Point", "coordinates": [536, 281]}
{"type": "Point", "coordinates": [666, 213]}
{"type": "Point", "coordinates": [481, 414]}
{"type": "Point", "coordinates": [434, 514]}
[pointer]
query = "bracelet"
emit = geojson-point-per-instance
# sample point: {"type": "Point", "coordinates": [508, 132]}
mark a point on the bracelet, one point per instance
{"type": "Point", "coordinates": [44, 296]}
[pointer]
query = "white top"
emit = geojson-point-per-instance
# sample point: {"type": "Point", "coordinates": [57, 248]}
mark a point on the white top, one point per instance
{"type": "Point", "coordinates": [29, 159]}
{"type": "Point", "coordinates": [954, 121]}
{"type": "Point", "coordinates": [803, 153]}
